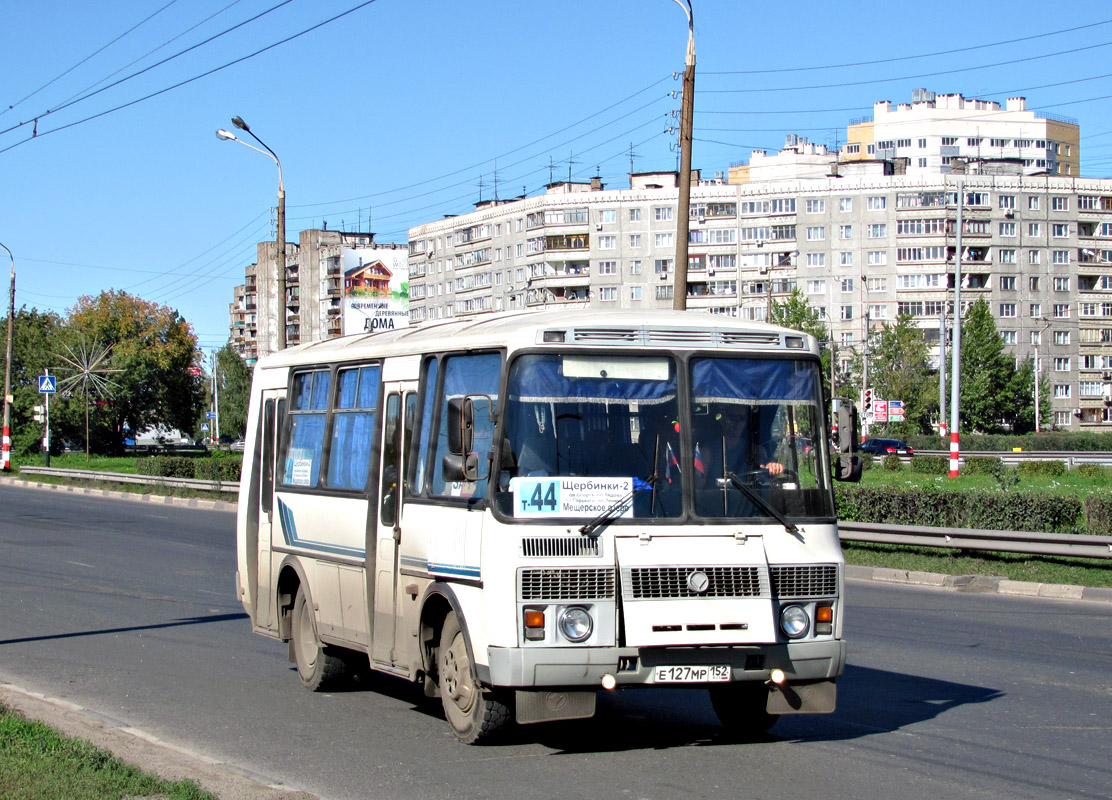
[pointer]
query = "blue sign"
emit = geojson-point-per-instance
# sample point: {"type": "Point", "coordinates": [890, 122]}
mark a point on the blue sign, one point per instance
{"type": "Point", "coordinates": [204, 426]}
{"type": "Point", "coordinates": [47, 384]}
{"type": "Point", "coordinates": [210, 415]}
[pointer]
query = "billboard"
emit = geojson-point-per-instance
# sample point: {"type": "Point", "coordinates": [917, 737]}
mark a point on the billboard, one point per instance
{"type": "Point", "coordinates": [376, 289]}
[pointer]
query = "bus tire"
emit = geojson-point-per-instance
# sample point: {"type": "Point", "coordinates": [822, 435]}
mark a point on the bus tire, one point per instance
{"type": "Point", "coordinates": [740, 707]}
{"type": "Point", "coordinates": [474, 714]}
{"type": "Point", "coordinates": [320, 668]}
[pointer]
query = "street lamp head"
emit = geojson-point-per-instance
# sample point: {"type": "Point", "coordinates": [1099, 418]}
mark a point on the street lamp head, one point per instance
{"type": "Point", "coordinates": [239, 123]}
{"type": "Point", "coordinates": [224, 135]}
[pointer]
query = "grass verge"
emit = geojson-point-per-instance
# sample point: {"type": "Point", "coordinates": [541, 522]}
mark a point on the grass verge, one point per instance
{"type": "Point", "coordinates": [39, 763]}
{"type": "Point", "coordinates": [1014, 566]}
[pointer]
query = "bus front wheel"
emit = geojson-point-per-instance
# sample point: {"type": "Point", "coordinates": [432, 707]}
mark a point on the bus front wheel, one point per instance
{"type": "Point", "coordinates": [319, 667]}
{"type": "Point", "coordinates": [474, 714]}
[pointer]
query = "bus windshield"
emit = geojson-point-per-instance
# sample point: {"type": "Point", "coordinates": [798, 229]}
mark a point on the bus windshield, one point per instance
{"type": "Point", "coordinates": [585, 435]}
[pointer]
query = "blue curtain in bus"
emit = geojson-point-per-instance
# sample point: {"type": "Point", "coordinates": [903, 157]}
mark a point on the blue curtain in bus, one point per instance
{"type": "Point", "coordinates": [753, 380]}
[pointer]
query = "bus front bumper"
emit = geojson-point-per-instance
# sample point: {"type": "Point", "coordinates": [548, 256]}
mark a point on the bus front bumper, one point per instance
{"type": "Point", "coordinates": [568, 667]}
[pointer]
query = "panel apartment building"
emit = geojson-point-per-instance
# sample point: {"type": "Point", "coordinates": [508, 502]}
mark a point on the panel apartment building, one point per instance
{"type": "Point", "coordinates": [314, 292]}
{"type": "Point", "coordinates": [866, 242]}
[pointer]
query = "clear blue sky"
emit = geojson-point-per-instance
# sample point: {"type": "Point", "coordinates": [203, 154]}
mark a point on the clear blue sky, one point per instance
{"type": "Point", "coordinates": [396, 112]}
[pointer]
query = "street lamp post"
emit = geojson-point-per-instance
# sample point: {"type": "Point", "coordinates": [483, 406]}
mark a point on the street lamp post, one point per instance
{"type": "Point", "coordinates": [6, 453]}
{"type": "Point", "coordinates": [280, 244]}
{"type": "Point", "coordinates": [687, 115]}
{"type": "Point", "coordinates": [1038, 342]}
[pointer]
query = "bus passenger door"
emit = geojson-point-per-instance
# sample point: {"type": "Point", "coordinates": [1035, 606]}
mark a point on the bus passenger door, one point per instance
{"type": "Point", "coordinates": [273, 407]}
{"type": "Point", "coordinates": [400, 407]}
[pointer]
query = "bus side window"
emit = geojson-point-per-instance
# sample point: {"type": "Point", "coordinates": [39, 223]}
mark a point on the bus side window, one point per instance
{"type": "Point", "coordinates": [477, 374]}
{"type": "Point", "coordinates": [268, 426]}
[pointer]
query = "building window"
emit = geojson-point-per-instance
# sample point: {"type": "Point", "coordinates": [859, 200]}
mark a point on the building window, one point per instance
{"type": "Point", "coordinates": [608, 294]}
{"type": "Point", "coordinates": [816, 286]}
{"type": "Point", "coordinates": [1063, 337]}
{"type": "Point", "coordinates": [846, 339]}
{"type": "Point", "coordinates": [608, 268]}
{"type": "Point", "coordinates": [1033, 203]}
{"type": "Point", "coordinates": [1061, 310]}
{"type": "Point", "coordinates": [816, 259]}
{"type": "Point", "coordinates": [847, 313]}
{"type": "Point", "coordinates": [1036, 310]}
{"type": "Point", "coordinates": [663, 213]}
{"type": "Point", "coordinates": [1007, 310]}
{"type": "Point", "coordinates": [1007, 283]}
{"type": "Point", "coordinates": [608, 242]}
{"type": "Point", "coordinates": [609, 215]}
{"type": "Point", "coordinates": [634, 292]}
{"type": "Point", "coordinates": [816, 206]}
{"type": "Point", "coordinates": [845, 232]}
{"type": "Point", "coordinates": [845, 204]}
{"type": "Point", "coordinates": [1059, 230]}
{"type": "Point", "coordinates": [1062, 364]}
{"type": "Point", "coordinates": [1062, 391]}
{"type": "Point", "coordinates": [922, 162]}
{"type": "Point", "coordinates": [635, 215]}
{"type": "Point", "coordinates": [1007, 201]}
{"type": "Point", "coordinates": [635, 267]}
{"type": "Point", "coordinates": [949, 141]}
{"type": "Point", "coordinates": [634, 240]}
{"type": "Point", "coordinates": [664, 292]}
{"type": "Point", "coordinates": [816, 234]}
{"type": "Point", "coordinates": [1006, 256]}
{"type": "Point", "coordinates": [1059, 204]}
{"type": "Point", "coordinates": [876, 285]}
{"type": "Point", "coordinates": [876, 203]}
{"type": "Point", "coordinates": [876, 231]}
{"type": "Point", "coordinates": [1060, 257]}
{"type": "Point", "coordinates": [878, 311]}
{"type": "Point", "coordinates": [1090, 389]}
{"type": "Point", "coordinates": [1034, 256]}
{"type": "Point", "coordinates": [876, 258]}
{"type": "Point", "coordinates": [1007, 229]}
{"type": "Point", "coordinates": [845, 258]}
{"type": "Point", "coordinates": [1009, 337]}
{"type": "Point", "coordinates": [1034, 229]}
{"type": "Point", "coordinates": [1062, 419]}
{"type": "Point", "coordinates": [663, 240]}
{"type": "Point", "coordinates": [664, 265]}
{"type": "Point", "coordinates": [847, 285]}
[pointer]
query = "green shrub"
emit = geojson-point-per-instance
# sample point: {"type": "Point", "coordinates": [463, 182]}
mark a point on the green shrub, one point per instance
{"type": "Point", "coordinates": [983, 465]}
{"type": "Point", "coordinates": [1049, 441]}
{"type": "Point", "coordinates": [989, 510]}
{"type": "Point", "coordinates": [866, 461]}
{"type": "Point", "coordinates": [219, 469]}
{"type": "Point", "coordinates": [1098, 513]}
{"type": "Point", "coordinates": [1093, 471]}
{"type": "Point", "coordinates": [1042, 469]}
{"type": "Point", "coordinates": [166, 466]}
{"type": "Point", "coordinates": [892, 463]}
{"type": "Point", "coordinates": [931, 465]}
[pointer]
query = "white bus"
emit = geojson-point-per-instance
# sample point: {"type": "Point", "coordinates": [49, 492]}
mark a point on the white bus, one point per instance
{"type": "Point", "coordinates": [519, 510]}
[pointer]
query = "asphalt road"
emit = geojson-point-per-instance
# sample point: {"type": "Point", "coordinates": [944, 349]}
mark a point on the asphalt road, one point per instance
{"type": "Point", "coordinates": [128, 609]}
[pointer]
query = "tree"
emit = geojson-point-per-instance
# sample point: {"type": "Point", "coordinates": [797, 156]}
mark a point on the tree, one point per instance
{"type": "Point", "coordinates": [234, 382]}
{"type": "Point", "coordinates": [35, 336]}
{"type": "Point", "coordinates": [1021, 414]}
{"type": "Point", "coordinates": [796, 313]}
{"type": "Point", "coordinates": [155, 348]}
{"type": "Point", "coordinates": [898, 370]}
{"type": "Point", "coordinates": [987, 374]}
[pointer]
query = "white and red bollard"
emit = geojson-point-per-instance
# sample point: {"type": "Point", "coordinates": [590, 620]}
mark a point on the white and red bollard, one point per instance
{"type": "Point", "coordinates": [954, 454]}
{"type": "Point", "coordinates": [6, 455]}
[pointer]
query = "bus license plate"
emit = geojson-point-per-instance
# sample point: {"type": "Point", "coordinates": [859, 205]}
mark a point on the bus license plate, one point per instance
{"type": "Point", "coordinates": [715, 673]}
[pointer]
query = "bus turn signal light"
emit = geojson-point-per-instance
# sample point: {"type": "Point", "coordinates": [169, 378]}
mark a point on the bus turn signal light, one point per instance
{"type": "Point", "coordinates": [824, 620]}
{"type": "Point", "coordinates": [534, 623]}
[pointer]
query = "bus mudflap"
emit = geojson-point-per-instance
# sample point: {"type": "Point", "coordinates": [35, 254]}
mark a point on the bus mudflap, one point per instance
{"type": "Point", "coordinates": [813, 697]}
{"type": "Point", "coordinates": [548, 706]}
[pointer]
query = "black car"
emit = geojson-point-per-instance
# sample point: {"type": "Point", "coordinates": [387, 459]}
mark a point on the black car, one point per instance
{"type": "Point", "coordinates": [886, 447]}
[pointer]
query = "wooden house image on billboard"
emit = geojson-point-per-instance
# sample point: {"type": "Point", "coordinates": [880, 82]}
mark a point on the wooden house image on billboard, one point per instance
{"type": "Point", "coordinates": [368, 280]}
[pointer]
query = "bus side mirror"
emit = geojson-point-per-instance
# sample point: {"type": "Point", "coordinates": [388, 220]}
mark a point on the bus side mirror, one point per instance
{"type": "Point", "coordinates": [461, 425]}
{"type": "Point", "coordinates": [849, 464]}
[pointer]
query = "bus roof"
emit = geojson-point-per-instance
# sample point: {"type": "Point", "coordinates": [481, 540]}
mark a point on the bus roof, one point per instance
{"type": "Point", "coordinates": [679, 330]}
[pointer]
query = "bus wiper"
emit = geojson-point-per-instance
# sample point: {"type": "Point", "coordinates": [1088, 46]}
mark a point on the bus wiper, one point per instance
{"type": "Point", "coordinates": [764, 505]}
{"type": "Point", "coordinates": [619, 507]}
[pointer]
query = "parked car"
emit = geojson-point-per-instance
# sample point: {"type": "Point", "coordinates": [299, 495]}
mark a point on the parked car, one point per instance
{"type": "Point", "coordinates": [887, 447]}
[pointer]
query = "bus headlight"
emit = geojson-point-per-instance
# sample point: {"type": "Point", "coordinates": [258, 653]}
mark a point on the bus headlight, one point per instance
{"type": "Point", "coordinates": [794, 622]}
{"type": "Point", "coordinates": [575, 624]}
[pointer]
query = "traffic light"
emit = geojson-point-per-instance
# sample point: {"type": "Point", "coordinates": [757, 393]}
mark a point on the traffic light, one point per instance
{"type": "Point", "coordinates": [868, 404]}
{"type": "Point", "coordinates": [39, 414]}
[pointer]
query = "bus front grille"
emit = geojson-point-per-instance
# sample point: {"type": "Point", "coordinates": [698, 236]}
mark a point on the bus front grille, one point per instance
{"type": "Point", "coordinates": [809, 580]}
{"type": "Point", "coordinates": [571, 584]}
{"type": "Point", "coordinates": [651, 583]}
{"type": "Point", "coordinates": [560, 546]}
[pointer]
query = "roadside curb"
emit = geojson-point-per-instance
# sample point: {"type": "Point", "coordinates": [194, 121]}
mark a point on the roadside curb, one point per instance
{"type": "Point", "coordinates": [987, 584]}
{"type": "Point", "coordinates": [135, 746]}
{"type": "Point", "coordinates": [135, 497]}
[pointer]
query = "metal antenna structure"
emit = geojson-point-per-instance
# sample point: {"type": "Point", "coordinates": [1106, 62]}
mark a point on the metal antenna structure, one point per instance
{"type": "Point", "coordinates": [90, 367]}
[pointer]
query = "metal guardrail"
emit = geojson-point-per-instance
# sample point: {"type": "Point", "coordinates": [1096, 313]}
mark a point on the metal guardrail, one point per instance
{"type": "Point", "coordinates": [1033, 543]}
{"type": "Point", "coordinates": [124, 477]}
{"type": "Point", "coordinates": [1071, 458]}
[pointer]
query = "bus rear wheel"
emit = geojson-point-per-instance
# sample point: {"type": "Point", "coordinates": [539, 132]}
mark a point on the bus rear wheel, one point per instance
{"type": "Point", "coordinates": [475, 715]}
{"type": "Point", "coordinates": [740, 707]}
{"type": "Point", "coordinates": [320, 668]}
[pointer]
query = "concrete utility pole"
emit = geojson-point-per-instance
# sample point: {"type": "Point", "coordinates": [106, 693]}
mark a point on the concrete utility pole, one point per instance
{"type": "Point", "coordinates": [955, 383]}
{"type": "Point", "coordinates": [280, 243]}
{"type": "Point", "coordinates": [687, 116]}
{"type": "Point", "coordinates": [942, 373]}
{"type": "Point", "coordinates": [6, 453]}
